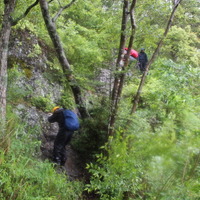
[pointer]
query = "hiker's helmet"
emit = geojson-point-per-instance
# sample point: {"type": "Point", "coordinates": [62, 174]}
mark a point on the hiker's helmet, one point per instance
{"type": "Point", "coordinates": [55, 108]}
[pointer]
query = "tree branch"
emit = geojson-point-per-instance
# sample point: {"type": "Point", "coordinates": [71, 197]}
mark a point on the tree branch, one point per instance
{"type": "Point", "coordinates": [61, 10]}
{"type": "Point", "coordinates": [59, 3]}
{"type": "Point", "coordinates": [50, 1]}
{"type": "Point", "coordinates": [14, 22]}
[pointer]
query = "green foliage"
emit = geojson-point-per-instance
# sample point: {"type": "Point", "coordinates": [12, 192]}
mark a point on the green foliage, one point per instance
{"type": "Point", "coordinates": [54, 74]}
{"type": "Point", "coordinates": [88, 42]}
{"type": "Point", "coordinates": [151, 19]}
{"type": "Point", "coordinates": [158, 151]}
{"type": "Point", "coordinates": [188, 14]}
{"type": "Point", "coordinates": [42, 103]}
{"type": "Point", "coordinates": [182, 46]}
{"type": "Point", "coordinates": [16, 92]}
{"type": "Point", "coordinates": [157, 156]}
{"type": "Point", "coordinates": [66, 101]}
{"type": "Point", "coordinates": [6, 133]}
{"type": "Point", "coordinates": [36, 51]}
{"type": "Point", "coordinates": [148, 166]}
{"type": "Point", "coordinates": [115, 176]}
{"type": "Point", "coordinates": [24, 176]}
{"type": "Point", "coordinates": [33, 21]}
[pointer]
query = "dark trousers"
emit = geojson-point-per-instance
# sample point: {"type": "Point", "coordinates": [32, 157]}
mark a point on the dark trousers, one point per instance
{"type": "Point", "coordinates": [142, 66]}
{"type": "Point", "coordinates": [62, 139]}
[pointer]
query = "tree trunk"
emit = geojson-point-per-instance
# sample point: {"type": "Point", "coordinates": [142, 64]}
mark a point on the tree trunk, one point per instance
{"type": "Point", "coordinates": [119, 80]}
{"type": "Point", "coordinates": [50, 25]}
{"type": "Point", "coordinates": [4, 41]}
{"type": "Point", "coordinates": [139, 91]}
{"type": "Point", "coordinates": [121, 48]}
{"type": "Point", "coordinates": [113, 109]}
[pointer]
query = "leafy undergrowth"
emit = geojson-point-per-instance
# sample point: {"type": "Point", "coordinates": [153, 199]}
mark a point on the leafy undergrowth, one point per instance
{"type": "Point", "coordinates": [152, 167]}
{"type": "Point", "coordinates": [23, 176]}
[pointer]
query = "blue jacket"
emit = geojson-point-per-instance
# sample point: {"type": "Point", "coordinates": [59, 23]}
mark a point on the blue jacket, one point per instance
{"type": "Point", "coordinates": [142, 57]}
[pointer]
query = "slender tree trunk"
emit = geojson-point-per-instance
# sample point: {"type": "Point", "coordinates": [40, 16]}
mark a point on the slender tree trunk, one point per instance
{"type": "Point", "coordinates": [119, 80]}
{"type": "Point", "coordinates": [50, 25]}
{"type": "Point", "coordinates": [121, 48]}
{"type": "Point", "coordinates": [139, 91]}
{"type": "Point", "coordinates": [122, 76]}
{"type": "Point", "coordinates": [4, 41]}
{"type": "Point", "coordinates": [113, 109]}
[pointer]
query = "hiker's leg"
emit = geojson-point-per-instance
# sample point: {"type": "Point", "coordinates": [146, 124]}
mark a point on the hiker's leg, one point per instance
{"type": "Point", "coordinates": [140, 66]}
{"type": "Point", "coordinates": [132, 59]}
{"type": "Point", "coordinates": [67, 141]}
{"type": "Point", "coordinates": [143, 65]}
{"type": "Point", "coordinates": [59, 146]}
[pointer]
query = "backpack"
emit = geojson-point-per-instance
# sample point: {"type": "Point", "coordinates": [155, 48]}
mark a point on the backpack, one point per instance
{"type": "Point", "coordinates": [71, 120]}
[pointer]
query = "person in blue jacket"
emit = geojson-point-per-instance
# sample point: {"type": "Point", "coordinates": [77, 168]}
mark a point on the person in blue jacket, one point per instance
{"type": "Point", "coordinates": [142, 59]}
{"type": "Point", "coordinates": [62, 138]}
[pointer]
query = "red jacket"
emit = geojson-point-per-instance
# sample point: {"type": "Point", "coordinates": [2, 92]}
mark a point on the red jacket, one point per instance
{"type": "Point", "coordinates": [133, 53]}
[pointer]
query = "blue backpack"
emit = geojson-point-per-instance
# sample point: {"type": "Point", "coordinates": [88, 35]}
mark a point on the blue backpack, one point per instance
{"type": "Point", "coordinates": [71, 120]}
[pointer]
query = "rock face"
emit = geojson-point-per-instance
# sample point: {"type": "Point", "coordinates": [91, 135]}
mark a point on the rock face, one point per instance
{"type": "Point", "coordinates": [106, 79]}
{"type": "Point", "coordinates": [31, 56]}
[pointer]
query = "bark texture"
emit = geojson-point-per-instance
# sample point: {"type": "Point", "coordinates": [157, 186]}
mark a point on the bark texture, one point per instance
{"type": "Point", "coordinates": [7, 23]}
{"type": "Point", "coordinates": [119, 79]}
{"type": "Point", "coordinates": [14, 22]}
{"type": "Point", "coordinates": [51, 27]}
{"type": "Point", "coordinates": [4, 41]}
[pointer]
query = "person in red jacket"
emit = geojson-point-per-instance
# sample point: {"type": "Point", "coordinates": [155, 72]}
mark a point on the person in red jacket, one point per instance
{"type": "Point", "coordinates": [133, 54]}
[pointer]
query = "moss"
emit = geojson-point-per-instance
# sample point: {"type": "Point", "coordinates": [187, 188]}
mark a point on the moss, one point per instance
{"type": "Point", "coordinates": [28, 72]}
{"type": "Point", "coordinates": [16, 62]}
{"type": "Point", "coordinates": [13, 62]}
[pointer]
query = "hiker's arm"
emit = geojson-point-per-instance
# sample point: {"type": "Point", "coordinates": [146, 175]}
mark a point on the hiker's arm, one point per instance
{"type": "Point", "coordinates": [53, 118]}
